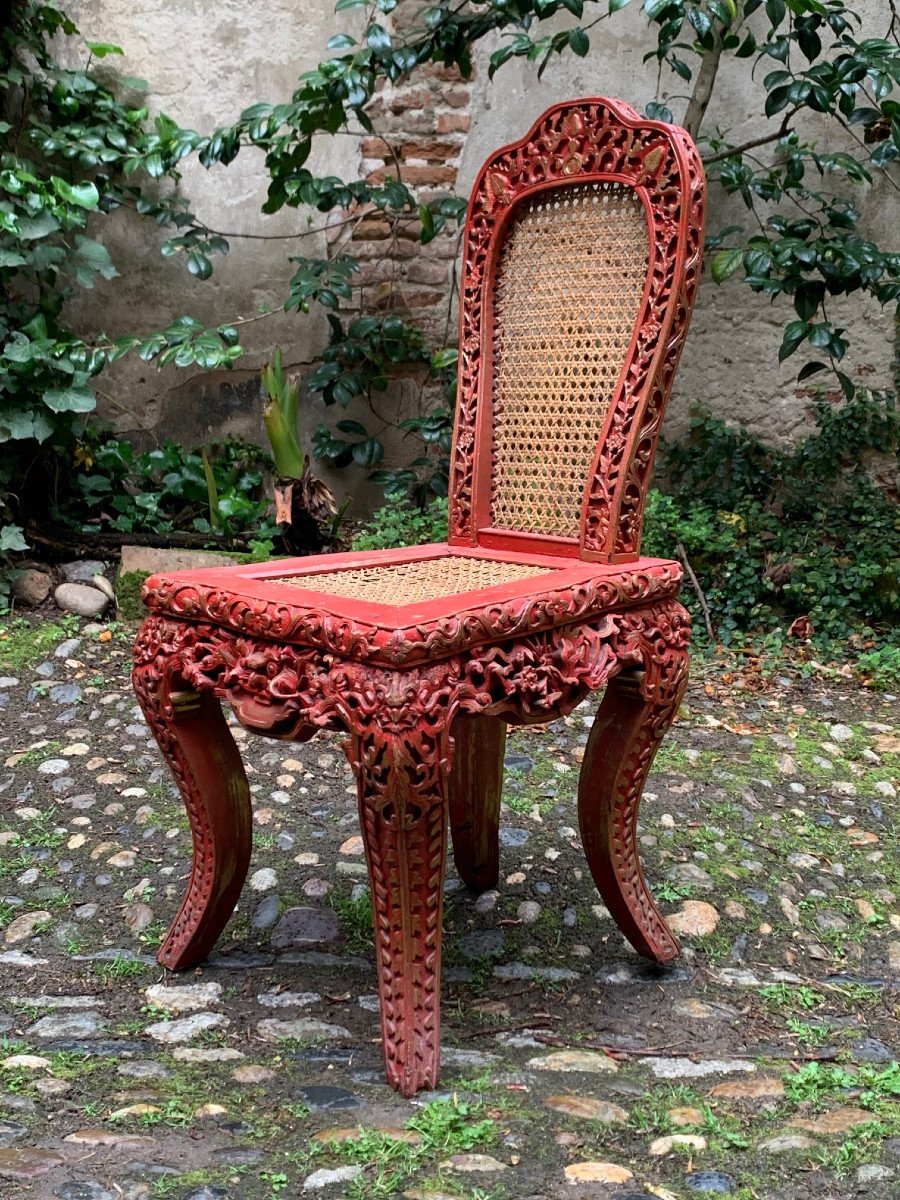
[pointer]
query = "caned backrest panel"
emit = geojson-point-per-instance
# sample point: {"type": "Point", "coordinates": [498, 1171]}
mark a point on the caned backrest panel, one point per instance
{"type": "Point", "coordinates": [570, 276]}
{"type": "Point", "coordinates": [582, 255]}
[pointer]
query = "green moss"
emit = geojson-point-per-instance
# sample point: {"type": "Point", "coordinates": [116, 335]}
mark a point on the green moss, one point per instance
{"type": "Point", "coordinates": [22, 643]}
{"type": "Point", "coordinates": [129, 583]}
{"type": "Point", "coordinates": [128, 594]}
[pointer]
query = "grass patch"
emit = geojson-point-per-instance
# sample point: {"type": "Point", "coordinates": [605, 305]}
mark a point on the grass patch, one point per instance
{"type": "Point", "coordinates": [119, 968]}
{"type": "Point", "coordinates": [789, 996]}
{"type": "Point", "coordinates": [537, 788]}
{"type": "Point", "coordinates": [872, 1087]}
{"type": "Point", "coordinates": [175, 1185]}
{"type": "Point", "coordinates": [442, 1128]}
{"type": "Point", "coordinates": [23, 643]}
{"type": "Point", "coordinates": [356, 920]}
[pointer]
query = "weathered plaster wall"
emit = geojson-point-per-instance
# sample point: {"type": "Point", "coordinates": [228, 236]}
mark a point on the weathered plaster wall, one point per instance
{"type": "Point", "coordinates": [205, 63]}
{"type": "Point", "coordinates": [730, 361]}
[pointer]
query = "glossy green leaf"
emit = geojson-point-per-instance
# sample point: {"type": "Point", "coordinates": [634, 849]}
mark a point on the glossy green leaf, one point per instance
{"type": "Point", "coordinates": [199, 265]}
{"type": "Point", "coordinates": [444, 358]}
{"type": "Point", "coordinates": [82, 195]}
{"type": "Point", "coordinates": [12, 539]}
{"type": "Point", "coordinates": [795, 333]}
{"type": "Point", "coordinates": [102, 49]}
{"type": "Point", "coordinates": [725, 263]}
{"type": "Point", "coordinates": [660, 112]}
{"type": "Point", "coordinates": [579, 42]}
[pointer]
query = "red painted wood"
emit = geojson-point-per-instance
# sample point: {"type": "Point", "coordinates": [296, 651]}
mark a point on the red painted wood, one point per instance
{"type": "Point", "coordinates": [402, 813]}
{"type": "Point", "coordinates": [474, 789]}
{"type": "Point", "coordinates": [194, 738]}
{"type": "Point", "coordinates": [399, 635]}
{"type": "Point", "coordinates": [490, 538]}
{"type": "Point", "coordinates": [404, 682]}
{"type": "Point", "coordinates": [634, 716]}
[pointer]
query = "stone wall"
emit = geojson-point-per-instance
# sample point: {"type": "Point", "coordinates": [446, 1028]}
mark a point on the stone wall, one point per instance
{"type": "Point", "coordinates": [205, 63]}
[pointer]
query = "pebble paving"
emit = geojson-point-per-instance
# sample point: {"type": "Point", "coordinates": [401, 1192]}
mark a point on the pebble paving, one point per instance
{"type": "Point", "coordinates": [762, 1064]}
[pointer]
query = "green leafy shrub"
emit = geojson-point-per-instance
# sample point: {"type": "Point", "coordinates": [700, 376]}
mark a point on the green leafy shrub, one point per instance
{"type": "Point", "coordinates": [219, 493]}
{"type": "Point", "coordinates": [73, 148]}
{"type": "Point", "coordinates": [357, 362]}
{"type": "Point", "coordinates": [880, 666]}
{"type": "Point", "coordinates": [774, 534]}
{"type": "Point", "coordinates": [403, 523]}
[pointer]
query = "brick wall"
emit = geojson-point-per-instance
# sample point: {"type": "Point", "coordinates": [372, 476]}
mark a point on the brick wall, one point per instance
{"type": "Point", "coordinates": [420, 128]}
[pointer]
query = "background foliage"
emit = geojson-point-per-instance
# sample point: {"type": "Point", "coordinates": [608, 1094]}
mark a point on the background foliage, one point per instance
{"type": "Point", "coordinates": [72, 149]}
{"type": "Point", "coordinates": [167, 489]}
{"type": "Point", "coordinates": [826, 92]}
{"type": "Point", "coordinates": [774, 536]}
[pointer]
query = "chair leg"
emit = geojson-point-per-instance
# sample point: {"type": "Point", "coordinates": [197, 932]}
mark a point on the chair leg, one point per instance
{"type": "Point", "coordinates": [473, 792]}
{"type": "Point", "coordinates": [403, 816]}
{"type": "Point", "coordinates": [195, 740]}
{"type": "Point", "coordinates": [626, 734]}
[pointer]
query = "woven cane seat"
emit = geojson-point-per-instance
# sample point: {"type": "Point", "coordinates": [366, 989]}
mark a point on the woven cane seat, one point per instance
{"type": "Point", "coordinates": [410, 583]}
{"type": "Point", "coordinates": [569, 283]}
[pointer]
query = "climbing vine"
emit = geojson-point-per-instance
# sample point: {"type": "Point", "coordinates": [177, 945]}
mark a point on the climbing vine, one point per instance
{"type": "Point", "coordinates": [72, 147]}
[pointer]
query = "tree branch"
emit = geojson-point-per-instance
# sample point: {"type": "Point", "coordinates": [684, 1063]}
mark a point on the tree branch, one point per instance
{"type": "Point", "coordinates": [703, 88]}
{"type": "Point", "coordinates": [783, 129]}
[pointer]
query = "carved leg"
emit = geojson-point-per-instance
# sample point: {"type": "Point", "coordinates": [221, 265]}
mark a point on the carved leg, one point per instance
{"type": "Point", "coordinates": [473, 793]}
{"type": "Point", "coordinates": [197, 744]}
{"type": "Point", "coordinates": [404, 821]}
{"type": "Point", "coordinates": [632, 720]}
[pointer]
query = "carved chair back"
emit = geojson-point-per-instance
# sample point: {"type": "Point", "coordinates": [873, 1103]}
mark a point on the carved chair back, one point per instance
{"type": "Point", "coordinates": [582, 255]}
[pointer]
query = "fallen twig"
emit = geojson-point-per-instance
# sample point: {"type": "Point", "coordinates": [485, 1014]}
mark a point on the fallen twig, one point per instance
{"type": "Point", "coordinates": [695, 584]}
{"type": "Point", "coordinates": [672, 1051]}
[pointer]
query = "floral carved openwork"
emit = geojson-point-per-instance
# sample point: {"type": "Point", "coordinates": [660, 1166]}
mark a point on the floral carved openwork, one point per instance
{"type": "Point", "coordinates": [421, 676]}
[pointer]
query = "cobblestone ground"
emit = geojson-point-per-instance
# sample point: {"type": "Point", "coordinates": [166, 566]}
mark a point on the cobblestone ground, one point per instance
{"type": "Point", "coordinates": [762, 1065]}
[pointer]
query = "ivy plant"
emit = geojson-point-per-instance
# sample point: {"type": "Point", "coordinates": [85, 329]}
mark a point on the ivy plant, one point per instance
{"type": "Point", "coordinates": [216, 491]}
{"type": "Point", "coordinates": [776, 533]}
{"type": "Point", "coordinates": [71, 146]}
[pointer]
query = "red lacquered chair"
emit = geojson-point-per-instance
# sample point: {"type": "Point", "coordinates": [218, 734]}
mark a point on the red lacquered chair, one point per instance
{"type": "Point", "coordinates": [582, 256]}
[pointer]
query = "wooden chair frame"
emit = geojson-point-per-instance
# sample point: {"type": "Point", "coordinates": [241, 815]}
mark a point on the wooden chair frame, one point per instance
{"type": "Point", "coordinates": [424, 688]}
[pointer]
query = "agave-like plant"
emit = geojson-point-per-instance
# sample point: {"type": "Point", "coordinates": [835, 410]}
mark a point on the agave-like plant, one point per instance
{"type": "Point", "coordinates": [304, 505]}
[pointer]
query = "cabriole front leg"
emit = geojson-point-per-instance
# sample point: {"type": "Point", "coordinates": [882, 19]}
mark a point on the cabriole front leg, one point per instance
{"type": "Point", "coordinates": [633, 718]}
{"type": "Point", "coordinates": [195, 740]}
{"type": "Point", "coordinates": [403, 816]}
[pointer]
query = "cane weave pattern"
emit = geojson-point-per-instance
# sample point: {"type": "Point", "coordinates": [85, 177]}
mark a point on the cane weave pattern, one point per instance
{"type": "Point", "coordinates": [569, 284]}
{"type": "Point", "coordinates": [413, 582]}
